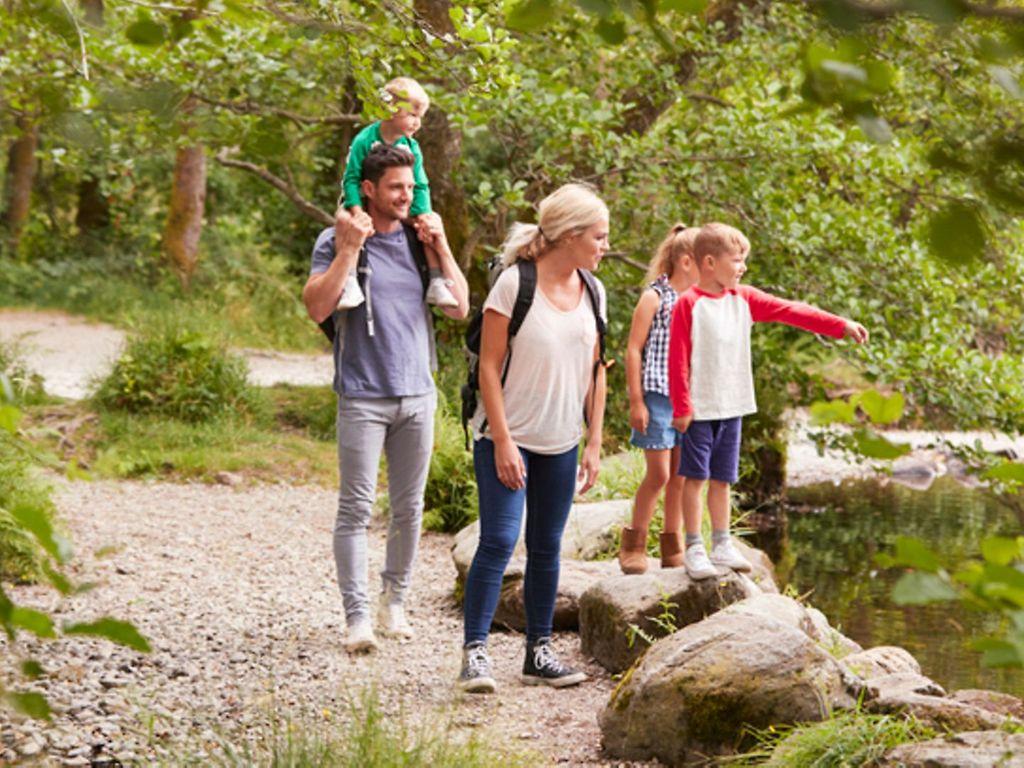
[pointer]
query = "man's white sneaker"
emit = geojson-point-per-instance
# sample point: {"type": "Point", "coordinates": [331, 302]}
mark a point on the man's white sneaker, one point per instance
{"type": "Point", "coordinates": [697, 564]}
{"type": "Point", "coordinates": [727, 555]}
{"type": "Point", "coordinates": [360, 638]}
{"type": "Point", "coordinates": [392, 622]}
{"type": "Point", "coordinates": [439, 295]}
{"type": "Point", "coordinates": [351, 294]}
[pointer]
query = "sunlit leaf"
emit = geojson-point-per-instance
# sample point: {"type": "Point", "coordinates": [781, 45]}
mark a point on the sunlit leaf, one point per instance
{"type": "Point", "coordinates": [120, 632]}
{"type": "Point", "coordinates": [10, 417]}
{"type": "Point", "coordinates": [914, 553]}
{"type": "Point", "coordinates": [32, 669]}
{"type": "Point", "coordinates": [683, 6]}
{"type": "Point", "coordinates": [612, 32]}
{"type": "Point", "coordinates": [1008, 471]}
{"type": "Point", "coordinates": [881, 409]}
{"type": "Point", "coordinates": [531, 15]}
{"type": "Point", "coordinates": [873, 446]}
{"type": "Point", "coordinates": [875, 128]}
{"type": "Point", "coordinates": [146, 32]}
{"type": "Point", "coordinates": [998, 653]}
{"type": "Point", "coordinates": [831, 412]}
{"type": "Point", "coordinates": [36, 521]}
{"type": "Point", "coordinates": [1000, 550]}
{"type": "Point", "coordinates": [36, 622]}
{"type": "Point", "coordinates": [956, 234]}
{"type": "Point", "coordinates": [921, 588]}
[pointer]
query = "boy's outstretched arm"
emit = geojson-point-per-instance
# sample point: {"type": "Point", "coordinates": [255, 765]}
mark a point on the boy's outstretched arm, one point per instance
{"type": "Point", "coordinates": [766, 308]}
{"type": "Point", "coordinates": [679, 343]}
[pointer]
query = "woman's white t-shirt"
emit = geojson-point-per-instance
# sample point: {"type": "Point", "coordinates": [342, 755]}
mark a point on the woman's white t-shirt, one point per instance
{"type": "Point", "coordinates": [550, 369]}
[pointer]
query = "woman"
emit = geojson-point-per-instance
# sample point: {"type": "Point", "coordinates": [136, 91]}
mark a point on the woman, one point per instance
{"type": "Point", "coordinates": [530, 422]}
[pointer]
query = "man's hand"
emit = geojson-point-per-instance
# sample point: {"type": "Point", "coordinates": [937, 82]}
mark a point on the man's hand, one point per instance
{"type": "Point", "coordinates": [682, 423]}
{"type": "Point", "coordinates": [855, 331]}
{"type": "Point", "coordinates": [351, 229]}
{"type": "Point", "coordinates": [430, 229]}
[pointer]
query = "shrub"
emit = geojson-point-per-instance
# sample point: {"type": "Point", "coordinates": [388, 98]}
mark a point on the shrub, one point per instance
{"type": "Point", "coordinates": [177, 371]}
{"type": "Point", "coordinates": [450, 500]}
{"type": "Point", "coordinates": [311, 409]}
{"type": "Point", "coordinates": [19, 489]}
{"type": "Point", "coordinates": [26, 386]}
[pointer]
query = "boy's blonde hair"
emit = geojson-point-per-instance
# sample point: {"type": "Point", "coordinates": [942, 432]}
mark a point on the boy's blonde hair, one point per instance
{"type": "Point", "coordinates": [678, 242]}
{"type": "Point", "coordinates": [402, 92]}
{"type": "Point", "coordinates": [567, 211]}
{"type": "Point", "coordinates": [716, 239]}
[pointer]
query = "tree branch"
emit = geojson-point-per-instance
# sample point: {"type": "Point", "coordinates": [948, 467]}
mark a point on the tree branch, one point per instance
{"type": "Point", "coordinates": [620, 256]}
{"type": "Point", "coordinates": [314, 212]}
{"type": "Point", "coordinates": [348, 28]}
{"type": "Point", "coordinates": [882, 11]}
{"type": "Point", "coordinates": [248, 107]}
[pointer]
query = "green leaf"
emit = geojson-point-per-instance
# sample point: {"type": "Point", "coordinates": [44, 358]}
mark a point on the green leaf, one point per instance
{"type": "Point", "coordinates": [30, 703]}
{"type": "Point", "coordinates": [9, 418]}
{"type": "Point", "coordinates": [1000, 550]}
{"type": "Point", "coordinates": [921, 588]}
{"type": "Point", "coordinates": [120, 632]}
{"type": "Point", "coordinates": [36, 622]}
{"type": "Point", "coordinates": [832, 411]}
{"type": "Point", "coordinates": [874, 446]}
{"type": "Point", "coordinates": [36, 521]}
{"type": "Point", "coordinates": [32, 669]}
{"type": "Point", "coordinates": [683, 6]}
{"type": "Point", "coordinates": [956, 234]}
{"type": "Point", "coordinates": [875, 128]}
{"type": "Point", "coordinates": [998, 653]}
{"type": "Point", "coordinates": [1008, 471]}
{"type": "Point", "coordinates": [531, 15]}
{"type": "Point", "coordinates": [914, 553]}
{"type": "Point", "coordinates": [612, 32]}
{"type": "Point", "coordinates": [146, 32]}
{"type": "Point", "coordinates": [602, 8]}
{"type": "Point", "coordinates": [881, 409]}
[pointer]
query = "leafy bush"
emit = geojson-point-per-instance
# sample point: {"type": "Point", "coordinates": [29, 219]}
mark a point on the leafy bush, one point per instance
{"type": "Point", "coordinates": [26, 386]}
{"type": "Point", "coordinates": [311, 409]}
{"type": "Point", "coordinates": [19, 489]}
{"type": "Point", "coordinates": [451, 499]}
{"type": "Point", "coordinates": [177, 371]}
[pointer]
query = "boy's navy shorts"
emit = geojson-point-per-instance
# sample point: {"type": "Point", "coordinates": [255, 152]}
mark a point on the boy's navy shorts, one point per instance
{"type": "Point", "coordinates": [711, 449]}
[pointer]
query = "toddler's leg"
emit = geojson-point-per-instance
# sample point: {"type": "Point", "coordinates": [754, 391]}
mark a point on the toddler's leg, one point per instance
{"type": "Point", "coordinates": [438, 292]}
{"type": "Point", "coordinates": [351, 293]}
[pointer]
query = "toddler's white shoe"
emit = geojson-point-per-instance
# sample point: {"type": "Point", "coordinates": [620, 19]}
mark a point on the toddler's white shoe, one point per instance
{"type": "Point", "coordinates": [439, 295]}
{"type": "Point", "coordinates": [697, 564]}
{"type": "Point", "coordinates": [727, 555]}
{"type": "Point", "coordinates": [352, 294]}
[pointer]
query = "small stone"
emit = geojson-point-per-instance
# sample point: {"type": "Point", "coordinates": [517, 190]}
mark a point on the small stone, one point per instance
{"type": "Point", "coordinates": [30, 748]}
{"type": "Point", "coordinates": [113, 682]}
{"type": "Point", "coordinates": [228, 478]}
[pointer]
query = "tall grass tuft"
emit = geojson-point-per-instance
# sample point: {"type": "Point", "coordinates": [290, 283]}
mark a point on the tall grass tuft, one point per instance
{"type": "Point", "coordinates": [174, 369]}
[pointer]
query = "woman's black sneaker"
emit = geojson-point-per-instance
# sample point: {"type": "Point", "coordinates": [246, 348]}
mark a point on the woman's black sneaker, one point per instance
{"type": "Point", "coordinates": [542, 667]}
{"type": "Point", "coordinates": [476, 669]}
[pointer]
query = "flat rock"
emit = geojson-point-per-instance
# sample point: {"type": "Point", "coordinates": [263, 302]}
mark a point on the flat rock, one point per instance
{"type": "Point", "coordinates": [994, 701]}
{"type": "Point", "coordinates": [938, 711]}
{"type": "Point", "coordinates": [881, 660]}
{"type": "Point", "coordinates": [974, 749]}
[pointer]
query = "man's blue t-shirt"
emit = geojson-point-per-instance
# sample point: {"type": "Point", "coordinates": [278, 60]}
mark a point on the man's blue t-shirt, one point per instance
{"type": "Point", "coordinates": [395, 361]}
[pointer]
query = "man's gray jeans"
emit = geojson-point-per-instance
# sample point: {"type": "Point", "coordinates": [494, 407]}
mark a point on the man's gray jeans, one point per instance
{"type": "Point", "coordinates": [404, 428]}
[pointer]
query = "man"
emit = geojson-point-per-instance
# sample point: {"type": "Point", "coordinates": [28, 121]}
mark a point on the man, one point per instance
{"type": "Point", "coordinates": [384, 357]}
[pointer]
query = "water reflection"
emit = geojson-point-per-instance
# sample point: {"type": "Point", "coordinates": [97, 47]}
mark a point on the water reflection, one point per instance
{"type": "Point", "coordinates": [826, 545]}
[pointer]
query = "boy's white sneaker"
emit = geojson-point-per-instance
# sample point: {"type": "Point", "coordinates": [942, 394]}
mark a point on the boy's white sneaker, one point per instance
{"type": "Point", "coordinates": [351, 294]}
{"type": "Point", "coordinates": [391, 620]}
{"type": "Point", "coordinates": [360, 638]}
{"type": "Point", "coordinates": [439, 295]}
{"type": "Point", "coordinates": [697, 564]}
{"type": "Point", "coordinates": [726, 554]}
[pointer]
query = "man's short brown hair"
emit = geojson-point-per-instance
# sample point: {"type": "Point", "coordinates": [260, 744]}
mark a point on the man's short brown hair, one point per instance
{"type": "Point", "coordinates": [716, 239]}
{"type": "Point", "coordinates": [384, 156]}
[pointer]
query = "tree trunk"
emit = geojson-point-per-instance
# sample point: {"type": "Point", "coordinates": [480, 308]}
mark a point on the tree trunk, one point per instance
{"type": "Point", "coordinates": [93, 206]}
{"type": "Point", "coordinates": [185, 218]}
{"type": "Point", "coordinates": [21, 174]}
{"type": "Point", "coordinates": [93, 11]}
{"type": "Point", "coordinates": [442, 148]}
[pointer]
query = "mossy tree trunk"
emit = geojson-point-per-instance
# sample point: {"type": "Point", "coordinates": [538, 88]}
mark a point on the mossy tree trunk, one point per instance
{"type": "Point", "coordinates": [93, 207]}
{"type": "Point", "coordinates": [188, 202]}
{"type": "Point", "coordinates": [21, 174]}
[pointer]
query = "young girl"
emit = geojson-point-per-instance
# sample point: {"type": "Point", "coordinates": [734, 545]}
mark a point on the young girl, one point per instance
{"type": "Point", "coordinates": [671, 272]}
{"type": "Point", "coordinates": [530, 422]}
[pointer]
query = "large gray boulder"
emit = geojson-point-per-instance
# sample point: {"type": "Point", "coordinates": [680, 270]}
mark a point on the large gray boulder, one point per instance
{"type": "Point", "coordinates": [619, 613]}
{"type": "Point", "coordinates": [976, 749]}
{"type": "Point", "coordinates": [694, 692]}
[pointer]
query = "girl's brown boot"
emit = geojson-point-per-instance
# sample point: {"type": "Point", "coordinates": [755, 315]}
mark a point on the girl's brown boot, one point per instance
{"type": "Point", "coordinates": [633, 550]}
{"type": "Point", "coordinates": [671, 550]}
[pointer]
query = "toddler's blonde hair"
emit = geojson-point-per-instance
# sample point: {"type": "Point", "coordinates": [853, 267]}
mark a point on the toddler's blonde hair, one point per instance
{"type": "Point", "coordinates": [405, 92]}
{"type": "Point", "coordinates": [678, 242]}
{"type": "Point", "coordinates": [567, 211]}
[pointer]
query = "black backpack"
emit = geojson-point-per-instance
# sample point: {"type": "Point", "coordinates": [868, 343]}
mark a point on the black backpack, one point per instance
{"type": "Point", "coordinates": [524, 299]}
{"type": "Point", "coordinates": [419, 256]}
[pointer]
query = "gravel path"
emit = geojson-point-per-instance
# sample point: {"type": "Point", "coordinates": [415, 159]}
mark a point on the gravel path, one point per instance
{"type": "Point", "coordinates": [235, 589]}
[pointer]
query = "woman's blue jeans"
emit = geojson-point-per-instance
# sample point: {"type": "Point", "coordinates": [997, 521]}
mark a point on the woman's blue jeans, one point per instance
{"type": "Point", "coordinates": [550, 485]}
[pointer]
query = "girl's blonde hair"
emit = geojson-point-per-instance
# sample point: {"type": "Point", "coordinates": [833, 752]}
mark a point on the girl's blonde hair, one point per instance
{"type": "Point", "coordinates": [567, 211]}
{"type": "Point", "coordinates": [678, 242]}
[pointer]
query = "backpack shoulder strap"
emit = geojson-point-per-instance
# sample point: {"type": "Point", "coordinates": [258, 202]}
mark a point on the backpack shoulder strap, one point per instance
{"type": "Point", "coordinates": [419, 254]}
{"type": "Point", "coordinates": [524, 296]}
{"type": "Point", "coordinates": [590, 282]}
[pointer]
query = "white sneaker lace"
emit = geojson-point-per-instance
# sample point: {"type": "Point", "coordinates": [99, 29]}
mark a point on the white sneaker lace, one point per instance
{"type": "Point", "coordinates": [544, 658]}
{"type": "Point", "coordinates": [477, 662]}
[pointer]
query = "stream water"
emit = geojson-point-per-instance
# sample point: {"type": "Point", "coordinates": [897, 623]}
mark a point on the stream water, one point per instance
{"type": "Point", "coordinates": [827, 545]}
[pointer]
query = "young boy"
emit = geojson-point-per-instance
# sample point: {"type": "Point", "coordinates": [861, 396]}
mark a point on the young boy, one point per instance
{"type": "Point", "coordinates": [711, 383]}
{"type": "Point", "coordinates": [408, 102]}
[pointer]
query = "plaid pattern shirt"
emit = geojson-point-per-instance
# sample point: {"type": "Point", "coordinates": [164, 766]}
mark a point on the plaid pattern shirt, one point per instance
{"type": "Point", "coordinates": [654, 362]}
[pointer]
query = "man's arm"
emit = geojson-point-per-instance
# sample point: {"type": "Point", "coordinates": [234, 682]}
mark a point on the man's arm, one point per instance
{"type": "Point", "coordinates": [322, 291]}
{"type": "Point", "coordinates": [431, 231]}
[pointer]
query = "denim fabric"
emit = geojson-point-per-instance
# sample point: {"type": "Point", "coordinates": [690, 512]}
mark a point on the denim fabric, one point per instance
{"type": "Point", "coordinates": [660, 436]}
{"type": "Point", "coordinates": [550, 485]}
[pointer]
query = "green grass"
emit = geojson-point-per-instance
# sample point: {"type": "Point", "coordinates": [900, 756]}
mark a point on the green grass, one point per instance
{"type": "Point", "coordinates": [366, 735]}
{"type": "Point", "coordinates": [846, 740]}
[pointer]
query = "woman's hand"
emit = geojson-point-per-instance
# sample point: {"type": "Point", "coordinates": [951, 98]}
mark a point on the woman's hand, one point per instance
{"type": "Point", "coordinates": [590, 465]}
{"type": "Point", "coordinates": [639, 417]}
{"type": "Point", "coordinates": [509, 464]}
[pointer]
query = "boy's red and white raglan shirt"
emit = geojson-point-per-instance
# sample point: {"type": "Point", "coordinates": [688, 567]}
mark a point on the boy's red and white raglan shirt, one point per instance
{"type": "Point", "coordinates": [709, 371]}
